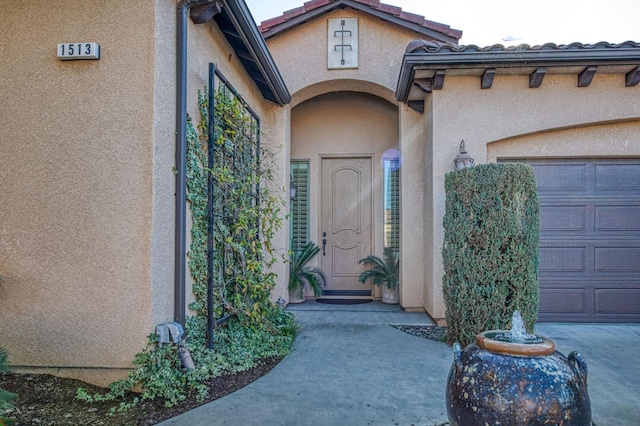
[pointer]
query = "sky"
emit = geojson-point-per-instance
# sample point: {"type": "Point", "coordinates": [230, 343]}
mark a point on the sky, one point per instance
{"type": "Point", "coordinates": [511, 22]}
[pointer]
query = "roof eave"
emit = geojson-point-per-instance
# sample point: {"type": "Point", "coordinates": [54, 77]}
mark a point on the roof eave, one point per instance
{"type": "Point", "coordinates": [508, 59]}
{"type": "Point", "coordinates": [239, 15]}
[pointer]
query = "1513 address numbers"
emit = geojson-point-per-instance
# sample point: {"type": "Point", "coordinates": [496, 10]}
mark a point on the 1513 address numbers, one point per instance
{"type": "Point", "coordinates": [70, 51]}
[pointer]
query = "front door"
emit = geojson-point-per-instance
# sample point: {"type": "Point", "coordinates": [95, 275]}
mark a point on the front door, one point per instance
{"type": "Point", "coordinates": [346, 223]}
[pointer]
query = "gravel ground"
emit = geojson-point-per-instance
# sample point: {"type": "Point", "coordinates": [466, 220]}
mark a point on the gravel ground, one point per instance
{"type": "Point", "coordinates": [431, 332]}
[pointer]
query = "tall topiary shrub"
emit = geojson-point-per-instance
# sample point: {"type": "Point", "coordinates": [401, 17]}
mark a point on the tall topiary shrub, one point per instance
{"type": "Point", "coordinates": [490, 250]}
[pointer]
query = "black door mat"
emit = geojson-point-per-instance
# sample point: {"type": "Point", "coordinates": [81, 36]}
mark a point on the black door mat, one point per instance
{"type": "Point", "coordinates": [343, 301]}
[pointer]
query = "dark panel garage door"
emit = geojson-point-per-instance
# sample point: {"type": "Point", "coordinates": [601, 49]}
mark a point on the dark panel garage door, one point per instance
{"type": "Point", "coordinates": [589, 240]}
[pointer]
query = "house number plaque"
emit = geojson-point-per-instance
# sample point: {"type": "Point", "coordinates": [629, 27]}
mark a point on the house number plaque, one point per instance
{"type": "Point", "coordinates": [78, 50]}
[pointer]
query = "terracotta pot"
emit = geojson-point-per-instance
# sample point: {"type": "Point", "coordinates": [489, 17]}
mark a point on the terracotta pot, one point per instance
{"type": "Point", "coordinates": [390, 295]}
{"type": "Point", "coordinates": [493, 382]}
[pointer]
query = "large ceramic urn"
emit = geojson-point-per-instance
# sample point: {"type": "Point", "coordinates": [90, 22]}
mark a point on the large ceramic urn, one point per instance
{"type": "Point", "coordinates": [499, 380]}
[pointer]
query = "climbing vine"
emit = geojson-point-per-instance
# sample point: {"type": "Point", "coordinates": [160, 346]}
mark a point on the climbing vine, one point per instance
{"type": "Point", "coordinates": [246, 216]}
{"type": "Point", "coordinates": [245, 212]}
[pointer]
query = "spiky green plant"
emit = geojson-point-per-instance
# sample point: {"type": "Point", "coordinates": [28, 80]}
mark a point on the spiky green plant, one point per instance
{"type": "Point", "coordinates": [5, 396]}
{"type": "Point", "coordinates": [300, 273]}
{"type": "Point", "coordinates": [382, 271]}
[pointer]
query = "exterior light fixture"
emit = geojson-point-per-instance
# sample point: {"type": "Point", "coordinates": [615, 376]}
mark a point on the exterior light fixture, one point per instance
{"type": "Point", "coordinates": [293, 189]}
{"type": "Point", "coordinates": [281, 302]}
{"type": "Point", "coordinates": [463, 160]}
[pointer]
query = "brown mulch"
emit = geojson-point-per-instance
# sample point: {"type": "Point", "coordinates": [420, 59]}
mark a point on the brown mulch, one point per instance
{"type": "Point", "coordinates": [44, 399]}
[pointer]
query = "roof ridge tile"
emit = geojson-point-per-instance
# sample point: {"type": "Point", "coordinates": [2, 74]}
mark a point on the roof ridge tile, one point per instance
{"type": "Point", "coordinates": [394, 11]}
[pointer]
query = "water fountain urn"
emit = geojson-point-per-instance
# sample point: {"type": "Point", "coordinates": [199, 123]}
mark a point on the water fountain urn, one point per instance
{"type": "Point", "coordinates": [515, 378]}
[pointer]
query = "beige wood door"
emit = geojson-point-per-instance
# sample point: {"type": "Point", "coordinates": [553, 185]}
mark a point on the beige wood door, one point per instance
{"type": "Point", "coordinates": [346, 223]}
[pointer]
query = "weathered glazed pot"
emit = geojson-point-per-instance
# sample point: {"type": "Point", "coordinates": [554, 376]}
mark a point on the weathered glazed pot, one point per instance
{"type": "Point", "coordinates": [493, 382]}
{"type": "Point", "coordinates": [390, 295]}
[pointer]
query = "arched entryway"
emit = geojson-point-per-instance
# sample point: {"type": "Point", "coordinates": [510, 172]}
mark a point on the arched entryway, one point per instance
{"type": "Point", "coordinates": [344, 163]}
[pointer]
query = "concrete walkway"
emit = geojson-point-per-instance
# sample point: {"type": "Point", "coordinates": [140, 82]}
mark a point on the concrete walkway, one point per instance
{"type": "Point", "coordinates": [348, 366]}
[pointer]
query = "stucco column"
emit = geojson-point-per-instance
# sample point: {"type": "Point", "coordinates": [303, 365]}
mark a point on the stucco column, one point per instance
{"type": "Point", "coordinates": [443, 142]}
{"type": "Point", "coordinates": [412, 189]}
{"type": "Point", "coordinates": [276, 137]}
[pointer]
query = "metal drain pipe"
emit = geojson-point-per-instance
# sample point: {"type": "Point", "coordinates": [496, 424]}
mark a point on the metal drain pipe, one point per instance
{"type": "Point", "coordinates": [181, 158]}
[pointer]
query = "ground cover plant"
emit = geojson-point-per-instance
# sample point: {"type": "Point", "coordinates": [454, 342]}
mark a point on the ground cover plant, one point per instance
{"type": "Point", "coordinates": [44, 399]}
{"type": "Point", "coordinates": [490, 251]}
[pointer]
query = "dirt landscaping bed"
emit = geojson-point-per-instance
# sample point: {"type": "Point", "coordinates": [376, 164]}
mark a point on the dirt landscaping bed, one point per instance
{"type": "Point", "coordinates": [44, 399]}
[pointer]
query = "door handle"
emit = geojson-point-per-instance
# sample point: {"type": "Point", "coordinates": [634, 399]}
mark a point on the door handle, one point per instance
{"type": "Point", "coordinates": [324, 244]}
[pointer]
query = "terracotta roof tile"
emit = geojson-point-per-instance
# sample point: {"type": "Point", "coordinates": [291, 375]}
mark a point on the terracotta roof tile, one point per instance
{"type": "Point", "coordinates": [373, 3]}
{"type": "Point", "coordinates": [292, 13]}
{"type": "Point", "coordinates": [394, 11]}
{"type": "Point", "coordinates": [272, 22]}
{"type": "Point", "coordinates": [412, 17]}
{"type": "Point", "coordinates": [315, 3]}
{"type": "Point", "coordinates": [428, 46]}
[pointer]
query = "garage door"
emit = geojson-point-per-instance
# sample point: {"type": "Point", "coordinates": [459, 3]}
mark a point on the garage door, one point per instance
{"type": "Point", "coordinates": [589, 240]}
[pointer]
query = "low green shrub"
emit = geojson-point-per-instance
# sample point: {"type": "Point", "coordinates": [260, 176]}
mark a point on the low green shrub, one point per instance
{"type": "Point", "coordinates": [490, 251]}
{"type": "Point", "coordinates": [238, 346]}
{"type": "Point", "coordinates": [5, 396]}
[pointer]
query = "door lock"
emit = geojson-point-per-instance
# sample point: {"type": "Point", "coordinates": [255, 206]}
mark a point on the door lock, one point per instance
{"type": "Point", "coordinates": [324, 244]}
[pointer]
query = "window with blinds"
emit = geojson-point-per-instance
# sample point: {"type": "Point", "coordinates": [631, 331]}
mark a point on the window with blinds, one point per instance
{"type": "Point", "coordinates": [300, 205]}
{"type": "Point", "coordinates": [392, 204]}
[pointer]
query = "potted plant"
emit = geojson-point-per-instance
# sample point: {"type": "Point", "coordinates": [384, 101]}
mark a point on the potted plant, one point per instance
{"type": "Point", "coordinates": [383, 273]}
{"type": "Point", "coordinates": [300, 274]}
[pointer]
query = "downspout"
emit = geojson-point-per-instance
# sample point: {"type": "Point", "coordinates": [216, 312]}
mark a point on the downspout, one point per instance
{"type": "Point", "coordinates": [181, 159]}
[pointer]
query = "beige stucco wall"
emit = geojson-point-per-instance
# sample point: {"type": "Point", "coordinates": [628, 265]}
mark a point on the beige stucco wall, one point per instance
{"type": "Point", "coordinates": [87, 193]}
{"type": "Point", "coordinates": [510, 120]}
{"type": "Point", "coordinates": [619, 139]}
{"type": "Point", "coordinates": [301, 56]}
{"type": "Point", "coordinates": [76, 171]}
{"type": "Point", "coordinates": [413, 191]}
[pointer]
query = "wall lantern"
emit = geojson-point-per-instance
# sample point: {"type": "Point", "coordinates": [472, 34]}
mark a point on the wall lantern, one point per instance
{"type": "Point", "coordinates": [463, 160]}
{"type": "Point", "coordinates": [293, 189]}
